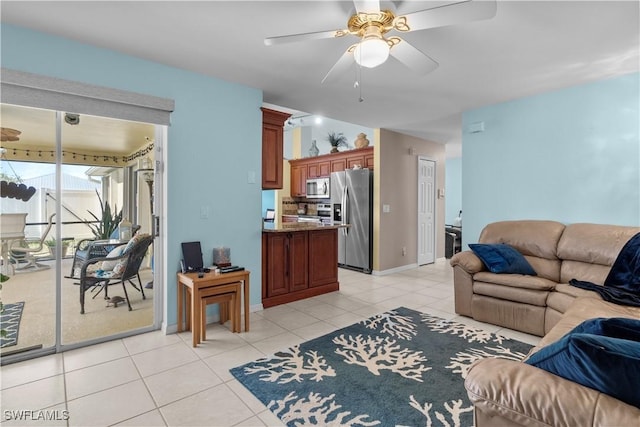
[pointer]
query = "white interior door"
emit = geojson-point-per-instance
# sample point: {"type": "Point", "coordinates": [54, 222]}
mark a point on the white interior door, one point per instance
{"type": "Point", "coordinates": [426, 210]}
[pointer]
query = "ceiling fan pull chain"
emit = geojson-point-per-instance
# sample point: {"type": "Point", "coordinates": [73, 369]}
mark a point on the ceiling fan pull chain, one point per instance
{"type": "Point", "coordinates": [358, 82]}
{"type": "Point", "coordinates": [360, 99]}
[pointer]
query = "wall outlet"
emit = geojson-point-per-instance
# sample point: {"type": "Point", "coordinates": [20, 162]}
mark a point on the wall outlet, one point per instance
{"type": "Point", "coordinates": [404, 251]}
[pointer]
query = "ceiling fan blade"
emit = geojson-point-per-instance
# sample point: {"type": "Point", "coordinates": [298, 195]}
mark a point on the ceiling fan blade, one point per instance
{"type": "Point", "coordinates": [457, 13]}
{"type": "Point", "coordinates": [341, 66]}
{"type": "Point", "coordinates": [412, 57]}
{"type": "Point", "coordinates": [270, 41]}
{"type": "Point", "coordinates": [367, 6]}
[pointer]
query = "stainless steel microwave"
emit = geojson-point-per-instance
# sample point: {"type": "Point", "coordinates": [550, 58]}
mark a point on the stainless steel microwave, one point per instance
{"type": "Point", "coordinates": [319, 188]}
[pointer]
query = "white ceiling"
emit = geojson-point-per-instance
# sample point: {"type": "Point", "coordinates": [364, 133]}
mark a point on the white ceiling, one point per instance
{"type": "Point", "coordinates": [527, 48]}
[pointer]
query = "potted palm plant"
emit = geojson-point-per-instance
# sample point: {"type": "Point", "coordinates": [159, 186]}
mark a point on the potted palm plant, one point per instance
{"type": "Point", "coordinates": [336, 140]}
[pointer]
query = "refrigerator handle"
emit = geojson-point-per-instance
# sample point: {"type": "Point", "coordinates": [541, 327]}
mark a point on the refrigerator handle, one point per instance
{"type": "Point", "coordinates": [344, 210]}
{"type": "Point", "coordinates": [346, 204]}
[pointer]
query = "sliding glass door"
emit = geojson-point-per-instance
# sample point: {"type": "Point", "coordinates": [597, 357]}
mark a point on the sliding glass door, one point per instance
{"type": "Point", "coordinates": [93, 186]}
{"type": "Point", "coordinates": [28, 227]}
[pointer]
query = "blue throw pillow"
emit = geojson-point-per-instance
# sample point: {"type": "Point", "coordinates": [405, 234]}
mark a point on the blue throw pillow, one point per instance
{"type": "Point", "coordinates": [502, 258]}
{"type": "Point", "coordinates": [613, 327]}
{"type": "Point", "coordinates": [609, 365]}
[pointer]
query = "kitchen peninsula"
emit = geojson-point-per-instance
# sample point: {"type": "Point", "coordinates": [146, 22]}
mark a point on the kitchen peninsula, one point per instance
{"type": "Point", "coordinates": [299, 260]}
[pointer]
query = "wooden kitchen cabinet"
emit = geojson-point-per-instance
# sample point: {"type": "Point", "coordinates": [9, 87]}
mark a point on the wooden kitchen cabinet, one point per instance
{"type": "Point", "coordinates": [357, 160]}
{"type": "Point", "coordinates": [298, 254]}
{"type": "Point", "coordinates": [324, 165]}
{"type": "Point", "coordinates": [323, 253]}
{"type": "Point", "coordinates": [272, 153]}
{"type": "Point", "coordinates": [368, 160]}
{"type": "Point", "coordinates": [298, 180]}
{"type": "Point", "coordinates": [318, 169]}
{"type": "Point", "coordinates": [286, 264]}
{"type": "Point", "coordinates": [338, 165]}
{"type": "Point", "coordinates": [298, 264]}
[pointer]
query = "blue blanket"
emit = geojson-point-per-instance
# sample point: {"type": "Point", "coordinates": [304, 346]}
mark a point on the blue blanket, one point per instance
{"type": "Point", "coordinates": [622, 285]}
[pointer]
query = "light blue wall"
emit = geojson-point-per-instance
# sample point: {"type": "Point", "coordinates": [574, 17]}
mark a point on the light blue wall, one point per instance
{"type": "Point", "coordinates": [453, 189]}
{"type": "Point", "coordinates": [214, 141]}
{"type": "Point", "coordinates": [572, 155]}
{"type": "Point", "coordinates": [268, 201]}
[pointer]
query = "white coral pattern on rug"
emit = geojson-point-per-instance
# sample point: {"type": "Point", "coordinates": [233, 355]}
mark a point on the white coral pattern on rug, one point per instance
{"type": "Point", "coordinates": [463, 331]}
{"type": "Point", "coordinates": [393, 324]}
{"type": "Point", "coordinates": [377, 354]}
{"type": "Point", "coordinates": [315, 410]}
{"type": "Point", "coordinates": [450, 419]}
{"type": "Point", "coordinates": [462, 361]}
{"type": "Point", "coordinates": [286, 366]}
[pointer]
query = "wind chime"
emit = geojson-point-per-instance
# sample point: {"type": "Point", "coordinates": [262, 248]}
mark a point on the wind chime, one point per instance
{"type": "Point", "coordinates": [11, 189]}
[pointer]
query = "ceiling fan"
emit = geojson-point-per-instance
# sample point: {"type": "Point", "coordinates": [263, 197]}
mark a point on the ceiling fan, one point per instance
{"type": "Point", "coordinates": [372, 25]}
{"type": "Point", "coordinates": [8, 134]}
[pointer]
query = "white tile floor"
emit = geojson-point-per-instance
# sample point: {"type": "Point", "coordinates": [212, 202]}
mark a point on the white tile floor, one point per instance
{"type": "Point", "coordinates": [159, 380]}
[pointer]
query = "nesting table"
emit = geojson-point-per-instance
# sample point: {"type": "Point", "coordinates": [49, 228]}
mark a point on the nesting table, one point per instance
{"type": "Point", "coordinates": [191, 285]}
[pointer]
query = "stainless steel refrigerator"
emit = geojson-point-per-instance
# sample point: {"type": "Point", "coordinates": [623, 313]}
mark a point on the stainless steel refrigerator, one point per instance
{"type": "Point", "coordinates": [352, 204]}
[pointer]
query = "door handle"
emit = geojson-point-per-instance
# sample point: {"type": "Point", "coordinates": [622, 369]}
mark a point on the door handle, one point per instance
{"type": "Point", "coordinates": [155, 226]}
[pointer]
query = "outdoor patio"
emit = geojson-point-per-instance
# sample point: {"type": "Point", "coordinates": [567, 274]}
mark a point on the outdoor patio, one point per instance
{"type": "Point", "coordinates": [37, 324]}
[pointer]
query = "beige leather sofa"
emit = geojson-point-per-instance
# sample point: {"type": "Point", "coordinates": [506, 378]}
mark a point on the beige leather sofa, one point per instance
{"type": "Point", "coordinates": [509, 393]}
{"type": "Point", "coordinates": [557, 252]}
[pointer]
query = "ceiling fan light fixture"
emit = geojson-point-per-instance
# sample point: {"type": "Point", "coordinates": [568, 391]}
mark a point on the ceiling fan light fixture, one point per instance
{"type": "Point", "coordinates": [373, 50]}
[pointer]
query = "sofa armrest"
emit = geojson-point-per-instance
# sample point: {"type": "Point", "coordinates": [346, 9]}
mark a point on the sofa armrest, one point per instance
{"type": "Point", "coordinates": [468, 261]}
{"type": "Point", "coordinates": [528, 395]}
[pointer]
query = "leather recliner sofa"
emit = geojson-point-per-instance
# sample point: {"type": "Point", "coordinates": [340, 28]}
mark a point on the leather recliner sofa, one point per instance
{"type": "Point", "coordinates": [557, 252]}
{"type": "Point", "coordinates": [510, 393]}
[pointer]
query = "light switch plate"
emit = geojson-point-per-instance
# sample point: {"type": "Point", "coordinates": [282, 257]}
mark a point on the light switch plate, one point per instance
{"type": "Point", "coordinates": [204, 212]}
{"type": "Point", "coordinates": [386, 208]}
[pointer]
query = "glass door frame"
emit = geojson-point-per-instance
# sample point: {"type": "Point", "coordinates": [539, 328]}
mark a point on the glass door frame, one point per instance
{"type": "Point", "coordinates": [38, 91]}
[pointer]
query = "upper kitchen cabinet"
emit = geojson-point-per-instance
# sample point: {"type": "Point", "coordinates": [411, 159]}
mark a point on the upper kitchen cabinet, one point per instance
{"type": "Point", "coordinates": [323, 165]}
{"type": "Point", "coordinates": [272, 154]}
{"type": "Point", "coordinates": [298, 180]}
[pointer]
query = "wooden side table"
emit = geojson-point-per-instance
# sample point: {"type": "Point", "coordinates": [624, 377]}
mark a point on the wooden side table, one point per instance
{"type": "Point", "coordinates": [192, 284]}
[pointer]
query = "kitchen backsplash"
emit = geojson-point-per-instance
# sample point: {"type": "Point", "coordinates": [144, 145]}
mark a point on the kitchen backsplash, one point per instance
{"type": "Point", "coordinates": [291, 206]}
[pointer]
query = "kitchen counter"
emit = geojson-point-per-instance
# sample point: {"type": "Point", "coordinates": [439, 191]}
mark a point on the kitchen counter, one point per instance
{"type": "Point", "coordinates": [285, 227]}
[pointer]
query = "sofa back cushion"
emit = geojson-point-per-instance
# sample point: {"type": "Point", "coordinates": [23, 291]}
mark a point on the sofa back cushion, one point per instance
{"type": "Point", "coordinates": [589, 250]}
{"type": "Point", "coordinates": [535, 239]}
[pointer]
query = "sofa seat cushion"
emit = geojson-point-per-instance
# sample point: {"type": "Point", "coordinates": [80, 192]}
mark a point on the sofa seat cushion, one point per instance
{"type": "Point", "coordinates": [516, 280]}
{"type": "Point", "coordinates": [581, 309]}
{"type": "Point", "coordinates": [607, 364]}
{"type": "Point", "coordinates": [565, 294]}
{"type": "Point", "coordinates": [512, 293]}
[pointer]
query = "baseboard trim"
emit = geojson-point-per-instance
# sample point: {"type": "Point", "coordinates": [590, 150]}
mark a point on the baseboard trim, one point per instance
{"type": "Point", "coordinates": [394, 270]}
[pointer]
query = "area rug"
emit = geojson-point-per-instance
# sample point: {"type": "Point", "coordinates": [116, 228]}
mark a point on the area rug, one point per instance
{"type": "Point", "coordinates": [401, 367]}
{"type": "Point", "coordinates": [10, 322]}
